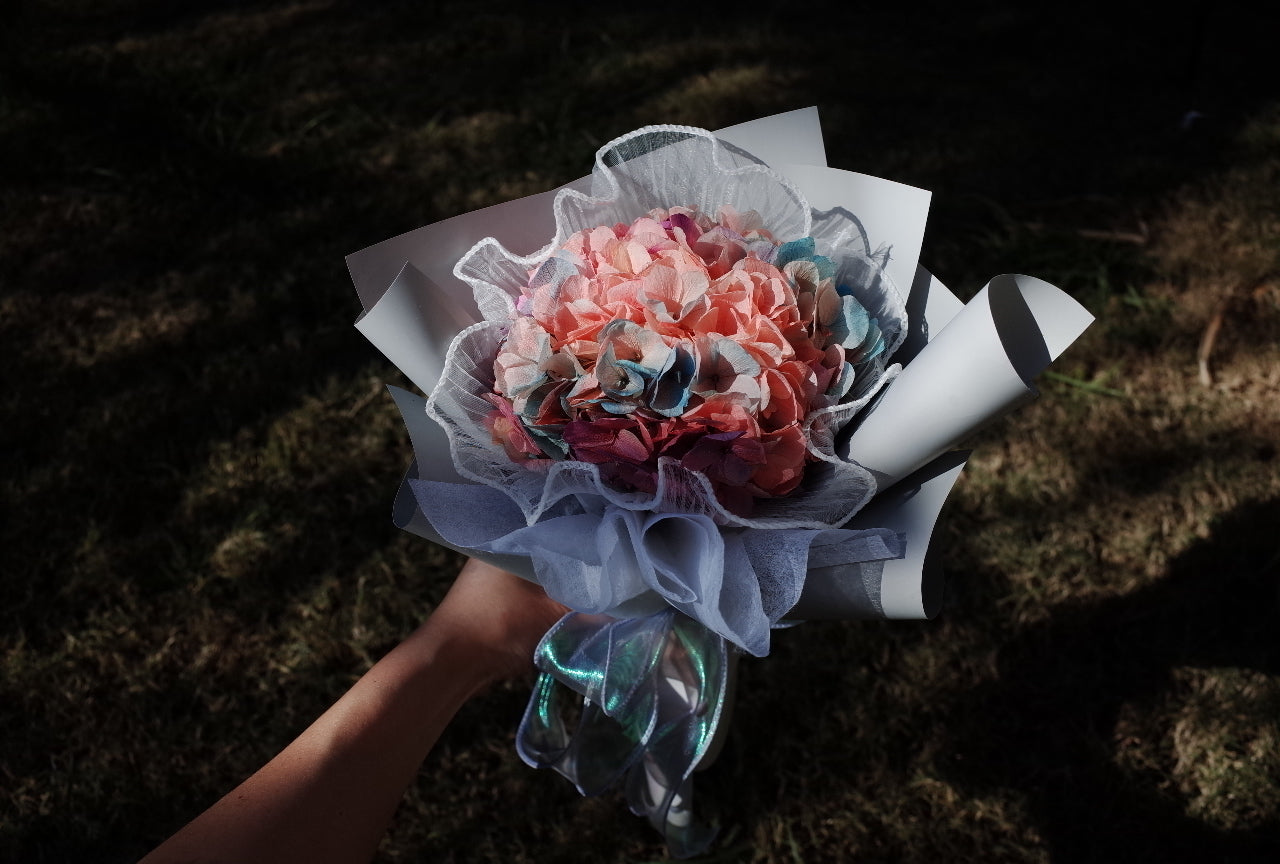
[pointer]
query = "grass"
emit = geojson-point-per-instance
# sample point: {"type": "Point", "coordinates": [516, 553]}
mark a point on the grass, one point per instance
{"type": "Point", "coordinates": [198, 460]}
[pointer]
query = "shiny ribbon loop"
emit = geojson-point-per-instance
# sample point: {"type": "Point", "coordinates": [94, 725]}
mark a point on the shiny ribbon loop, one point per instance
{"type": "Point", "coordinates": [652, 690]}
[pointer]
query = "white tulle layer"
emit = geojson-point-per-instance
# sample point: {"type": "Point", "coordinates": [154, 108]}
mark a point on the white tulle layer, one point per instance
{"type": "Point", "coordinates": [662, 167]}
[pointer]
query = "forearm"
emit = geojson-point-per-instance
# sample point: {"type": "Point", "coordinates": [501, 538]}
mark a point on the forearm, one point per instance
{"type": "Point", "coordinates": [329, 796]}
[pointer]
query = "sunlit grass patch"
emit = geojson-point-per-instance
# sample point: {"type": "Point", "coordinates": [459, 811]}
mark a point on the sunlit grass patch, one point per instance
{"type": "Point", "coordinates": [715, 98]}
{"type": "Point", "coordinates": [1226, 743]}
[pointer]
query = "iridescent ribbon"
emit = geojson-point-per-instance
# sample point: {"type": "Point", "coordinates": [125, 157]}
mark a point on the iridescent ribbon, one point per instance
{"type": "Point", "coordinates": [652, 690]}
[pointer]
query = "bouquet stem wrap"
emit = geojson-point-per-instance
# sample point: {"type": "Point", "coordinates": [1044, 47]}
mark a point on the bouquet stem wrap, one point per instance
{"type": "Point", "coordinates": [653, 690]}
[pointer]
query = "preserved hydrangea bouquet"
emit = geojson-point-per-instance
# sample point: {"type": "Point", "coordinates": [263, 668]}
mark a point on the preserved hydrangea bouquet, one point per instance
{"type": "Point", "coordinates": [680, 340]}
{"type": "Point", "coordinates": [679, 356]}
{"type": "Point", "coordinates": [651, 419]}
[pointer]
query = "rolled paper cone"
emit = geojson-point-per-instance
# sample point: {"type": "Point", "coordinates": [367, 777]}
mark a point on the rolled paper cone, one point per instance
{"type": "Point", "coordinates": [911, 587]}
{"type": "Point", "coordinates": [930, 307]}
{"type": "Point", "coordinates": [980, 366]}
{"type": "Point", "coordinates": [413, 324]}
{"type": "Point", "coordinates": [903, 588]}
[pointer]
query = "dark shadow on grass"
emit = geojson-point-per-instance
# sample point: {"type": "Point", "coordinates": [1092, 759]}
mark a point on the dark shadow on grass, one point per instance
{"type": "Point", "coordinates": [1045, 728]}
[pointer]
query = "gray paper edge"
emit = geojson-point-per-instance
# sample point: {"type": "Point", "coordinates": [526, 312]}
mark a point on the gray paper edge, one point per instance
{"type": "Point", "coordinates": [910, 588]}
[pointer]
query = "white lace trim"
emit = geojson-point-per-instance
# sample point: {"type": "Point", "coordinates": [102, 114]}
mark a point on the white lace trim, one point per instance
{"type": "Point", "coordinates": [667, 166]}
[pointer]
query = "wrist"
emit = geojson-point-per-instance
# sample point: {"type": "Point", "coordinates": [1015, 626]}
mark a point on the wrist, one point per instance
{"type": "Point", "coordinates": [493, 621]}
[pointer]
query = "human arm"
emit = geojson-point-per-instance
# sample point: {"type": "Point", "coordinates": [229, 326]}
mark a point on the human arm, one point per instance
{"type": "Point", "coordinates": [329, 796]}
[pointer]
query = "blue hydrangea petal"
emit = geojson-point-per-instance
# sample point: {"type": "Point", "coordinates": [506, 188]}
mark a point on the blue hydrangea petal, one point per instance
{"type": "Point", "coordinates": [674, 384]}
{"type": "Point", "coordinates": [794, 251]}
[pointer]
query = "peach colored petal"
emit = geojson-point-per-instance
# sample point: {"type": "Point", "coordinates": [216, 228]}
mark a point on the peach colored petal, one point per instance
{"type": "Point", "coordinates": [585, 391]}
{"type": "Point", "coordinates": [716, 321]}
{"type": "Point", "coordinates": [670, 295]}
{"type": "Point", "coordinates": [785, 405]}
{"type": "Point", "coordinates": [734, 290]}
{"type": "Point", "coordinates": [649, 232]}
{"type": "Point", "coordinates": [506, 429]}
{"type": "Point", "coordinates": [628, 256]}
{"type": "Point", "coordinates": [785, 459]}
{"type": "Point", "coordinates": [765, 341]}
{"type": "Point", "coordinates": [518, 364]}
{"type": "Point", "coordinates": [724, 413]}
{"type": "Point", "coordinates": [803, 380]}
{"type": "Point", "coordinates": [743, 223]}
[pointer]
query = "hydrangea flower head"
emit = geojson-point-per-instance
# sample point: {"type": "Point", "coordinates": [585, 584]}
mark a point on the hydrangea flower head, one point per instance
{"type": "Point", "coordinates": [690, 341]}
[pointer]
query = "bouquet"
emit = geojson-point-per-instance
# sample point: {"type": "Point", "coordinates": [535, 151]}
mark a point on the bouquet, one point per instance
{"type": "Point", "coordinates": [710, 404]}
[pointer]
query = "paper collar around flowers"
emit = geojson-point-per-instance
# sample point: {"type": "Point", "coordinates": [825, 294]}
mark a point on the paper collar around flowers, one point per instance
{"type": "Point", "coordinates": [651, 168]}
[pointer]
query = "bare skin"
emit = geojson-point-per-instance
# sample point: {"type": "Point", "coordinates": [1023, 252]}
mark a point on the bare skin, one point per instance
{"type": "Point", "coordinates": [329, 796]}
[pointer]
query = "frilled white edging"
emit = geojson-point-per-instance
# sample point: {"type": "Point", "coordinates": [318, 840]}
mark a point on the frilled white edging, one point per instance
{"type": "Point", "coordinates": [651, 168]}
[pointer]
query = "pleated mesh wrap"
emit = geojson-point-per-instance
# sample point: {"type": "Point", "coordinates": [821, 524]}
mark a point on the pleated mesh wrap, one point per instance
{"type": "Point", "coordinates": [663, 167]}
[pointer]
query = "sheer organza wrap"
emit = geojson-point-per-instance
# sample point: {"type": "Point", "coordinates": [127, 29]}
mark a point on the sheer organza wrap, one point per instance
{"type": "Point", "coordinates": [597, 558]}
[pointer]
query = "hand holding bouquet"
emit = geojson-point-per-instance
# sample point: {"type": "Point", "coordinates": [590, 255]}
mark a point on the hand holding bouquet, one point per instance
{"type": "Point", "coordinates": [665, 417]}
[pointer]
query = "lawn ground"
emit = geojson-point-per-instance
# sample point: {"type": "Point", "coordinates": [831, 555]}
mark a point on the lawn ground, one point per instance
{"type": "Point", "coordinates": [198, 455]}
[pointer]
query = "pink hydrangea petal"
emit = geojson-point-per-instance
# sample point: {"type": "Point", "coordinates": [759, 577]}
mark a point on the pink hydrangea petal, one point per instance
{"type": "Point", "coordinates": [615, 439]}
{"type": "Point", "coordinates": [784, 406]}
{"type": "Point", "coordinates": [506, 429]}
{"type": "Point", "coordinates": [629, 256]}
{"type": "Point", "coordinates": [786, 454]}
{"type": "Point", "coordinates": [649, 233]}
{"type": "Point", "coordinates": [518, 364]}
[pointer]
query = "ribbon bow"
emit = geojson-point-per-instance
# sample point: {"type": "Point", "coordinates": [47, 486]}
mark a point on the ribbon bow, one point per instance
{"type": "Point", "coordinates": [653, 690]}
